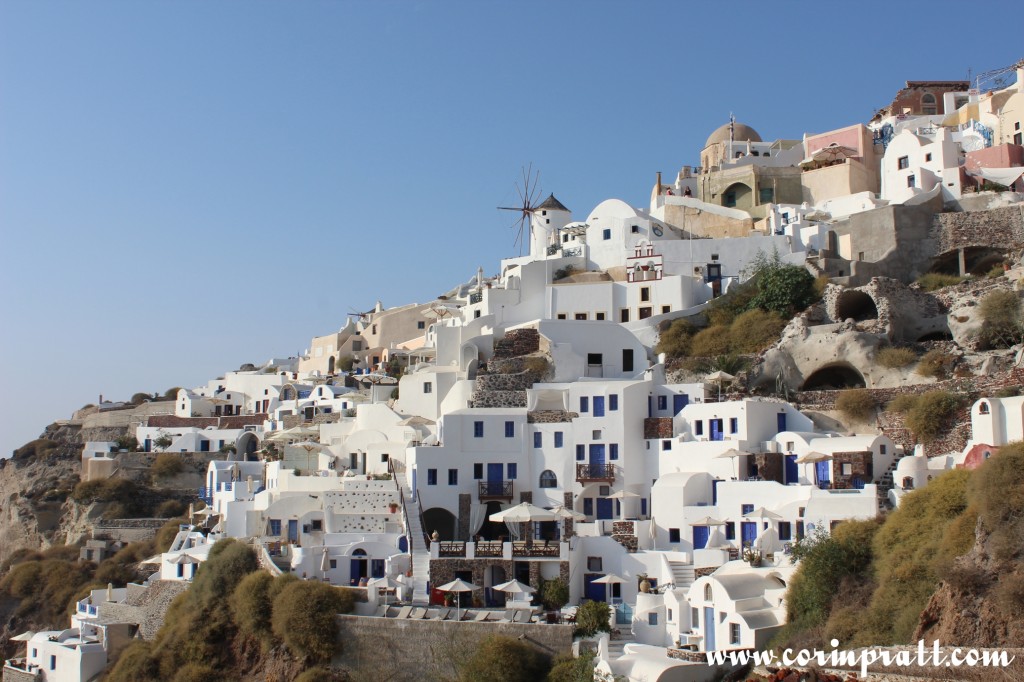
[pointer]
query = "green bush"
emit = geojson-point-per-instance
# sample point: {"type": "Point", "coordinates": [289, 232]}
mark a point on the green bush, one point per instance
{"type": "Point", "coordinates": [503, 659]}
{"type": "Point", "coordinates": [902, 404]}
{"type": "Point", "coordinates": [754, 331]}
{"type": "Point", "coordinates": [345, 363]}
{"type": "Point", "coordinates": [996, 271]}
{"type": "Point", "coordinates": [304, 618]}
{"type": "Point", "coordinates": [554, 594]}
{"type": "Point", "coordinates": [785, 289]}
{"type": "Point", "coordinates": [997, 490]}
{"type": "Point", "coordinates": [1001, 313]}
{"type": "Point", "coordinates": [907, 548]}
{"type": "Point", "coordinates": [172, 393]}
{"type": "Point", "coordinates": [674, 341]}
{"type": "Point", "coordinates": [252, 605]}
{"type": "Point", "coordinates": [167, 465]}
{"type": "Point", "coordinates": [569, 669]}
{"type": "Point", "coordinates": [592, 617]}
{"type": "Point", "coordinates": [36, 449]}
{"type": "Point", "coordinates": [933, 281]}
{"type": "Point", "coordinates": [136, 664]}
{"type": "Point", "coordinates": [140, 398]}
{"type": "Point", "coordinates": [935, 363]}
{"type": "Point", "coordinates": [894, 358]}
{"type": "Point", "coordinates": [932, 414]}
{"type": "Point", "coordinates": [710, 342]}
{"type": "Point", "coordinates": [857, 403]}
{"type": "Point", "coordinates": [197, 672]}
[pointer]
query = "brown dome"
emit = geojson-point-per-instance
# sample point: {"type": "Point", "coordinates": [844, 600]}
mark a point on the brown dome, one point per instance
{"type": "Point", "coordinates": [741, 133]}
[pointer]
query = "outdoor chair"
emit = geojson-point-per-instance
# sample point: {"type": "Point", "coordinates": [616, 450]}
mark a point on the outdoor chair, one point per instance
{"type": "Point", "coordinates": [508, 616]}
{"type": "Point", "coordinates": [417, 613]}
{"type": "Point", "coordinates": [404, 612]}
{"type": "Point", "coordinates": [481, 616]}
{"type": "Point", "coordinates": [521, 616]}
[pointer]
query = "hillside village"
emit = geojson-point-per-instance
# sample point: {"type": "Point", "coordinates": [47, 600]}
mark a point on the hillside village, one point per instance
{"type": "Point", "coordinates": [594, 423]}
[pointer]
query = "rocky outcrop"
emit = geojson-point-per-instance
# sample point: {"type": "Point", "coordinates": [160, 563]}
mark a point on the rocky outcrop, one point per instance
{"type": "Point", "coordinates": [965, 611]}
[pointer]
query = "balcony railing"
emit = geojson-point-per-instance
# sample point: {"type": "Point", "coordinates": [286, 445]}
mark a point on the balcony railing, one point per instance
{"type": "Point", "coordinates": [586, 473]}
{"type": "Point", "coordinates": [537, 548]}
{"type": "Point", "coordinates": [476, 297]}
{"type": "Point", "coordinates": [495, 490]}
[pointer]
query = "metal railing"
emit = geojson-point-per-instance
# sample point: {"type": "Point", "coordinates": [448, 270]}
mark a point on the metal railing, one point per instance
{"type": "Point", "coordinates": [595, 472]}
{"type": "Point", "coordinates": [495, 490]}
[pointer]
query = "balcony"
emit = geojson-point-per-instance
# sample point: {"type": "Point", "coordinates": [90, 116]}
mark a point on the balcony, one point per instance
{"type": "Point", "coordinates": [495, 490]}
{"type": "Point", "coordinates": [592, 473]}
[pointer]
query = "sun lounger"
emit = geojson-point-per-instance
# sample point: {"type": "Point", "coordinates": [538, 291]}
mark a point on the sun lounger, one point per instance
{"type": "Point", "coordinates": [404, 612]}
{"type": "Point", "coordinates": [382, 611]}
{"type": "Point", "coordinates": [417, 613]}
{"type": "Point", "coordinates": [521, 616]}
{"type": "Point", "coordinates": [480, 617]}
{"type": "Point", "coordinates": [442, 614]}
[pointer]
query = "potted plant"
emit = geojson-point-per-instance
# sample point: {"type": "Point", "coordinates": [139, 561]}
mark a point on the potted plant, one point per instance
{"type": "Point", "coordinates": [645, 583]}
{"type": "Point", "coordinates": [393, 506]}
{"type": "Point", "coordinates": [752, 556]}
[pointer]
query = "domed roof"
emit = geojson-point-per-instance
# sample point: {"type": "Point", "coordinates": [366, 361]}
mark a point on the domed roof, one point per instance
{"type": "Point", "coordinates": [741, 133]}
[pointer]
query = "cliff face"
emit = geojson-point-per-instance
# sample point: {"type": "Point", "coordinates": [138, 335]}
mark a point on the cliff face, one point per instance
{"type": "Point", "coordinates": [35, 509]}
{"type": "Point", "coordinates": [974, 608]}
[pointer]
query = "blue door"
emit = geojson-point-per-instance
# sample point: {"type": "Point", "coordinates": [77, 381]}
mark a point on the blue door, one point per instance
{"type": "Point", "coordinates": [593, 591]}
{"type": "Point", "coordinates": [495, 478]}
{"type": "Point", "coordinates": [596, 454]}
{"type": "Point", "coordinates": [605, 508]}
{"type": "Point", "coordinates": [748, 531]}
{"type": "Point", "coordinates": [709, 628]}
{"type": "Point", "coordinates": [716, 430]}
{"type": "Point", "coordinates": [781, 423]}
{"type": "Point", "coordinates": [822, 471]}
{"type": "Point", "coordinates": [650, 410]}
{"type": "Point", "coordinates": [588, 506]}
{"type": "Point", "coordinates": [293, 530]}
{"type": "Point", "coordinates": [714, 491]}
{"type": "Point", "coordinates": [700, 537]}
{"type": "Point", "coordinates": [598, 405]}
{"type": "Point", "coordinates": [678, 403]}
{"type": "Point", "coordinates": [792, 469]}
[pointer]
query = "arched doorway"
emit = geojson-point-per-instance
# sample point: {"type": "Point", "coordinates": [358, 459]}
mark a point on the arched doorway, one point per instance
{"type": "Point", "coordinates": [330, 365]}
{"type": "Point", "coordinates": [440, 520]}
{"type": "Point", "coordinates": [856, 305]}
{"type": "Point", "coordinates": [358, 567]}
{"type": "Point", "coordinates": [247, 446]}
{"type": "Point", "coordinates": [738, 195]}
{"type": "Point", "coordinates": [834, 377]}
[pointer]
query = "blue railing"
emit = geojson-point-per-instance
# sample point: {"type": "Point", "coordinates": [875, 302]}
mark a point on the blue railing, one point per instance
{"type": "Point", "coordinates": [206, 495]}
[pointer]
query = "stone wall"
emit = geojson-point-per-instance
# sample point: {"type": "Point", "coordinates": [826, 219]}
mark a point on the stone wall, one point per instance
{"type": "Point", "coordinates": [290, 421]}
{"type": "Point", "coordinates": [504, 382]}
{"type": "Point", "coordinates": [389, 646]}
{"type": "Point", "coordinates": [517, 342]}
{"type": "Point", "coordinates": [498, 399]}
{"type": "Point", "coordinates": [550, 416]}
{"type": "Point", "coordinates": [769, 466]}
{"type": "Point", "coordinates": [145, 607]}
{"type": "Point", "coordinates": [860, 468]}
{"type": "Point", "coordinates": [658, 427]}
{"type": "Point", "coordinates": [12, 675]}
{"type": "Point", "coordinates": [1001, 228]}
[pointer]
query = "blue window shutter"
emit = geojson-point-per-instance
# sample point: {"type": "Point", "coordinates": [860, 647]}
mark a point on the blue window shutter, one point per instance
{"type": "Point", "coordinates": [584, 404]}
{"type": "Point", "coordinates": [537, 439]}
{"type": "Point", "coordinates": [581, 453]}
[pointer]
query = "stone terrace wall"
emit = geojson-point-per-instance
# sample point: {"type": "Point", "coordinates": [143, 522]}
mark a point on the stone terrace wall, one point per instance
{"type": "Point", "coordinates": [517, 342]}
{"type": "Point", "coordinates": [290, 421]}
{"type": "Point", "coordinates": [392, 646]}
{"type": "Point", "coordinates": [998, 228]}
{"type": "Point", "coordinates": [145, 608]}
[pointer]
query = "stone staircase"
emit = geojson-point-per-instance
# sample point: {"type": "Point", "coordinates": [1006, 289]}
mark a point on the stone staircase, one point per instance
{"type": "Point", "coordinates": [417, 544]}
{"type": "Point", "coordinates": [617, 643]}
{"type": "Point", "coordinates": [885, 484]}
{"type": "Point", "coordinates": [682, 574]}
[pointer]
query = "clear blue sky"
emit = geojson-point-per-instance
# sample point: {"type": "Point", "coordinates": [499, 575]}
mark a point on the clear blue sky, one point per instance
{"type": "Point", "coordinates": [188, 186]}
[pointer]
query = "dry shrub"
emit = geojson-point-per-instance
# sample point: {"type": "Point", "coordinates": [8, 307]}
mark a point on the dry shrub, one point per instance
{"type": "Point", "coordinates": [902, 404]}
{"type": "Point", "coordinates": [755, 330]}
{"type": "Point", "coordinates": [935, 363]}
{"type": "Point", "coordinates": [932, 414]}
{"type": "Point", "coordinates": [936, 280]}
{"type": "Point", "coordinates": [857, 404]}
{"type": "Point", "coordinates": [304, 618]}
{"type": "Point", "coordinates": [710, 342]}
{"type": "Point", "coordinates": [167, 465]}
{"type": "Point", "coordinates": [895, 358]}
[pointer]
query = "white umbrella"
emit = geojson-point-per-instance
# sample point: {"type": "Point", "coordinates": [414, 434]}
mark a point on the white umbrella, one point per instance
{"type": "Point", "coordinates": [609, 579]}
{"type": "Point", "coordinates": [763, 514]}
{"type": "Point", "coordinates": [811, 457]}
{"type": "Point", "coordinates": [719, 378]}
{"type": "Point", "coordinates": [155, 559]}
{"type": "Point", "coordinates": [622, 495]}
{"type": "Point", "coordinates": [23, 637]}
{"type": "Point", "coordinates": [568, 514]}
{"type": "Point", "coordinates": [309, 446]}
{"type": "Point", "coordinates": [184, 559]}
{"type": "Point", "coordinates": [732, 452]}
{"type": "Point", "coordinates": [523, 513]}
{"type": "Point", "coordinates": [457, 585]}
{"type": "Point", "coordinates": [708, 521]}
{"type": "Point", "coordinates": [386, 583]}
{"type": "Point", "coordinates": [325, 563]}
{"type": "Point", "coordinates": [514, 587]}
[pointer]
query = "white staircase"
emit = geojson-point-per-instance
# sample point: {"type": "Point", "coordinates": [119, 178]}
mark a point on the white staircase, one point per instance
{"type": "Point", "coordinates": [617, 643]}
{"type": "Point", "coordinates": [682, 574]}
{"type": "Point", "coordinates": [417, 543]}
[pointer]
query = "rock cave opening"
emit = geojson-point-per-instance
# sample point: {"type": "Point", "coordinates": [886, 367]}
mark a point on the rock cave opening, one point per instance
{"type": "Point", "coordinates": [834, 377]}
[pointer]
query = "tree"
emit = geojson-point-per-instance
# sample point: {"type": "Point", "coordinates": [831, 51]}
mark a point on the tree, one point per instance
{"type": "Point", "coordinates": [569, 669]}
{"type": "Point", "coordinates": [784, 289]}
{"type": "Point", "coordinates": [593, 617]}
{"type": "Point", "coordinates": [554, 594]}
{"type": "Point", "coordinates": [503, 659]}
{"type": "Point", "coordinates": [304, 618]}
{"type": "Point", "coordinates": [163, 441]}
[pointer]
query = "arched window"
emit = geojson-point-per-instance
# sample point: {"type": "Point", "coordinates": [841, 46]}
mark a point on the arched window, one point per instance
{"type": "Point", "coordinates": [928, 107]}
{"type": "Point", "coordinates": [548, 479]}
{"type": "Point", "coordinates": [707, 592]}
{"type": "Point", "coordinates": [983, 408]}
